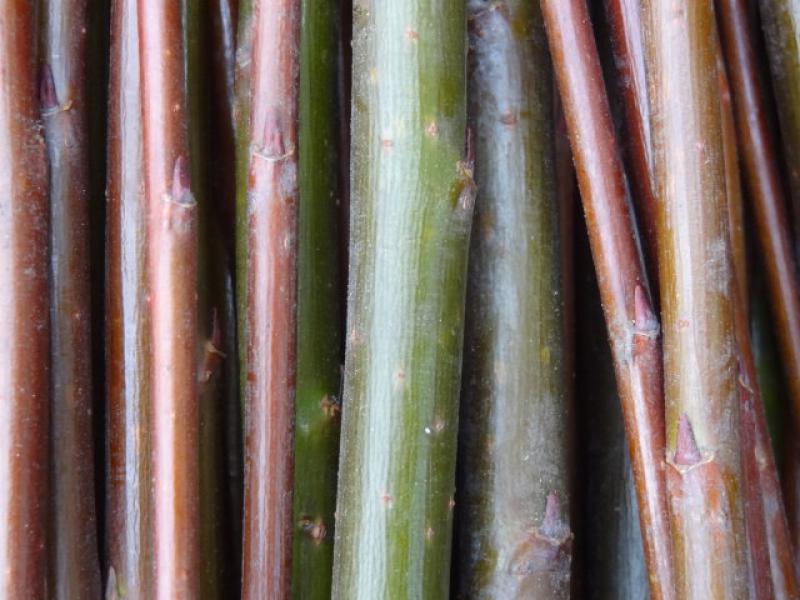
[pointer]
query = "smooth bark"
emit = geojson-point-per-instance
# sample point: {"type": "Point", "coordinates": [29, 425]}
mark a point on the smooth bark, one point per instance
{"type": "Point", "coordinates": [632, 326]}
{"type": "Point", "coordinates": [270, 301]}
{"type": "Point", "coordinates": [24, 310]}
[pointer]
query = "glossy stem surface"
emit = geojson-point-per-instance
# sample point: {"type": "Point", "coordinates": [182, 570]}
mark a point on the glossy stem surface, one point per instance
{"type": "Point", "coordinates": [761, 169]}
{"type": "Point", "coordinates": [129, 498]}
{"type": "Point", "coordinates": [625, 28]}
{"type": "Point", "coordinates": [172, 274]}
{"type": "Point", "coordinates": [632, 326]}
{"type": "Point", "coordinates": [271, 299]}
{"type": "Point", "coordinates": [74, 561]}
{"type": "Point", "coordinates": [704, 470]}
{"type": "Point", "coordinates": [515, 537]}
{"type": "Point", "coordinates": [411, 214]}
{"type": "Point", "coordinates": [24, 310]}
{"type": "Point", "coordinates": [758, 150]}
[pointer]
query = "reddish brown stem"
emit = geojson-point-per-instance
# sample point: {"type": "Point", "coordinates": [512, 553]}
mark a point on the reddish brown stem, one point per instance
{"type": "Point", "coordinates": [633, 328]}
{"type": "Point", "coordinates": [626, 39]}
{"type": "Point", "coordinates": [758, 150]}
{"type": "Point", "coordinates": [768, 529]}
{"type": "Point", "coordinates": [733, 188]}
{"type": "Point", "coordinates": [129, 525]}
{"type": "Point", "coordinates": [24, 310]}
{"type": "Point", "coordinates": [760, 579]}
{"type": "Point", "coordinates": [702, 408]}
{"type": "Point", "coordinates": [270, 300]}
{"type": "Point", "coordinates": [74, 567]}
{"type": "Point", "coordinates": [791, 489]}
{"type": "Point", "coordinates": [769, 202]}
{"type": "Point", "coordinates": [172, 265]}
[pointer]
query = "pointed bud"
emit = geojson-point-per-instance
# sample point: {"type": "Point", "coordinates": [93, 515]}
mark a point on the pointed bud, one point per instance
{"type": "Point", "coordinates": [552, 526]}
{"type": "Point", "coordinates": [686, 452]}
{"type": "Point", "coordinates": [644, 319]}
{"type": "Point", "coordinates": [47, 89]}
{"type": "Point", "coordinates": [274, 142]}
{"type": "Point", "coordinates": [181, 192]}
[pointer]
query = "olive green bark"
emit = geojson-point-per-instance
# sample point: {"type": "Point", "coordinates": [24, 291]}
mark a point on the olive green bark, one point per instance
{"type": "Point", "coordinates": [319, 313]}
{"type": "Point", "coordinates": [219, 566]}
{"type": "Point", "coordinates": [513, 495]}
{"type": "Point", "coordinates": [411, 212]}
{"type": "Point", "coordinates": [780, 20]}
{"type": "Point", "coordinates": [241, 117]}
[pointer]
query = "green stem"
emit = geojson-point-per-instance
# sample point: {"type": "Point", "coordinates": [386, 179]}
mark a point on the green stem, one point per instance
{"type": "Point", "coordinates": [514, 496]}
{"type": "Point", "coordinates": [319, 314]}
{"type": "Point", "coordinates": [411, 215]}
{"type": "Point", "coordinates": [219, 565]}
{"type": "Point", "coordinates": [241, 112]}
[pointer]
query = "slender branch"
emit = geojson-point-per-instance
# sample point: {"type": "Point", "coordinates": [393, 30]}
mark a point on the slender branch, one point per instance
{"type": "Point", "coordinates": [733, 188]}
{"type": "Point", "coordinates": [172, 270]}
{"type": "Point", "coordinates": [781, 23]}
{"type": "Point", "coordinates": [74, 566]}
{"type": "Point", "coordinates": [623, 283]}
{"type": "Point", "coordinates": [319, 311]}
{"type": "Point", "coordinates": [760, 579]}
{"type": "Point", "coordinates": [761, 172]}
{"type": "Point", "coordinates": [24, 310]}
{"type": "Point", "coordinates": [129, 518]}
{"type": "Point", "coordinates": [612, 541]}
{"type": "Point", "coordinates": [270, 298]}
{"type": "Point", "coordinates": [625, 26]}
{"type": "Point", "coordinates": [769, 203]}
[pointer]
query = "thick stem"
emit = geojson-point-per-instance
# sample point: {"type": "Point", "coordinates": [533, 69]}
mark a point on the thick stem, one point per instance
{"type": "Point", "coordinates": [633, 328]}
{"type": "Point", "coordinates": [513, 504]}
{"type": "Point", "coordinates": [130, 510]}
{"type": "Point", "coordinates": [781, 22]}
{"type": "Point", "coordinates": [24, 310]}
{"type": "Point", "coordinates": [411, 213]}
{"type": "Point", "coordinates": [270, 299]}
{"type": "Point", "coordinates": [697, 287]}
{"type": "Point", "coordinates": [74, 561]}
{"type": "Point", "coordinates": [319, 311]}
{"type": "Point", "coordinates": [172, 271]}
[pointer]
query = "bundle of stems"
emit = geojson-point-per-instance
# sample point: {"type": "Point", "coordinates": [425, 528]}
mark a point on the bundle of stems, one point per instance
{"type": "Point", "coordinates": [336, 331]}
